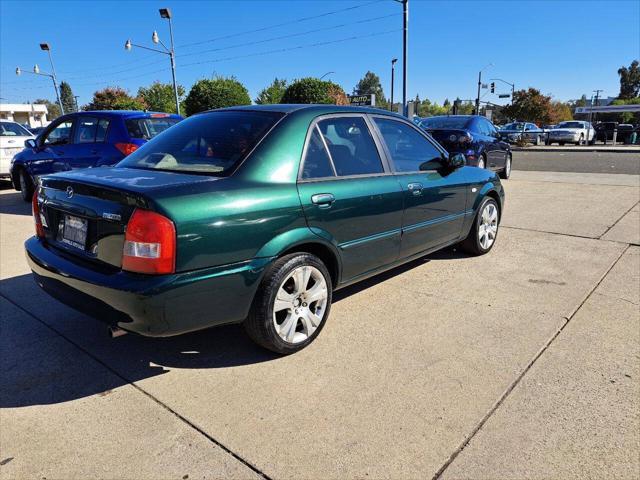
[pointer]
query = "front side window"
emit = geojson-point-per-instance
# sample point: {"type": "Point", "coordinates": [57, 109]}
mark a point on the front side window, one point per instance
{"type": "Point", "coordinates": [12, 129]}
{"type": "Point", "coordinates": [351, 146]}
{"type": "Point", "coordinates": [60, 135]}
{"type": "Point", "coordinates": [409, 150]}
{"type": "Point", "coordinates": [212, 143]}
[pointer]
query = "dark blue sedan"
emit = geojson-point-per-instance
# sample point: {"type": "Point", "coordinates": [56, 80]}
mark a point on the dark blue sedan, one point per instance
{"type": "Point", "coordinates": [85, 140]}
{"type": "Point", "coordinates": [473, 136]}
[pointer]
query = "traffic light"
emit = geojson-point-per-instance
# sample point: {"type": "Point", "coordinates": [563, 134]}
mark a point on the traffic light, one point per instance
{"type": "Point", "coordinates": [493, 87]}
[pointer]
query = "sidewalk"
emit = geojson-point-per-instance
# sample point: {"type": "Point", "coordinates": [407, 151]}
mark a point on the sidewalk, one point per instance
{"type": "Point", "coordinates": [579, 148]}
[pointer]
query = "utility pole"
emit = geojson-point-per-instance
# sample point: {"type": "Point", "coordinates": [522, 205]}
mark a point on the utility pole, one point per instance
{"type": "Point", "coordinates": [597, 92]}
{"type": "Point", "coordinates": [393, 71]}
{"type": "Point", "coordinates": [480, 85]}
{"type": "Point", "coordinates": [76, 99]}
{"type": "Point", "coordinates": [405, 55]}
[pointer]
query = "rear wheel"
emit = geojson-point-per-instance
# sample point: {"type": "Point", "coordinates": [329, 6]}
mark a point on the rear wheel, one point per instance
{"type": "Point", "coordinates": [561, 144]}
{"type": "Point", "coordinates": [26, 185]}
{"type": "Point", "coordinates": [506, 172]}
{"type": "Point", "coordinates": [484, 230]}
{"type": "Point", "coordinates": [482, 161]}
{"type": "Point", "coordinates": [292, 304]}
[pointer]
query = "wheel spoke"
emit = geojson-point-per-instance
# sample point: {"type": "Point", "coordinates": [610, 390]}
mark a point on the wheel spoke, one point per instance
{"type": "Point", "coordinates": [308, 322]}
{"type": "Point", "coordinates": [284, 301]}
{"type": "Point", "coordinates": [316, 293]}
{"type": "Point", "coordinates": [288, 327]}
{"type": "Point", "coordinates": [301, 278]}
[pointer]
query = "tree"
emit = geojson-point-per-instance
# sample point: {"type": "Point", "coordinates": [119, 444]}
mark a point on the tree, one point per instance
{"type": "Point", "coordinates": [66, 97]}
{"type": "Point", "coordinates": [629, 81]}
{"type": "Point", "coordinates": [160, 97]}
{"type": "Point", "coordinates": [314, 90]}
{"type": "Point", "coordinates": [114, 98]}
{"type": "Point", "coordinates": [560, 112]}
{"type": "Point", "coordinates": [219, 92]}
{"type": "Point", "coordinates": [530, 106]}
{"type": "Point", "coordinates": [273, 93]}
{"type": "Point", "coordinates": [53, 109]}
{"type": "Point", "coordinates": [369, 84]}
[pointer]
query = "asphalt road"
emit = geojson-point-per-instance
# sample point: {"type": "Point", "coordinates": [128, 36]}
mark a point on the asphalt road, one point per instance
{"type": "Point", "coordinates": [578, 162]}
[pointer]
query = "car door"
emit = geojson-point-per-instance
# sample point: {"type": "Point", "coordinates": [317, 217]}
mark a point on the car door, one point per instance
{"type": "Point", "coordinates": [348, 194]}
{"type": "Point", "coordinates": [54, 149]}
{"type": "Point", "coordinates": [434, 195]}
{"type": "Point", "coordinates": [500, 147]}
{"type": "Point", "coordinates": [492, 144]}
{"type": "Point", "coordinates": [88, 144]}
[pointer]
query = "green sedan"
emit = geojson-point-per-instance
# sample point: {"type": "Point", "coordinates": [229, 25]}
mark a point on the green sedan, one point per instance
{"type": "Point", "coordinates": [254, 215]}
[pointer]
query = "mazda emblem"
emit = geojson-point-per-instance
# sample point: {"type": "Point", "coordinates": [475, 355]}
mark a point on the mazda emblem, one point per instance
{"type": "Point", "coordinates": [69, 192]}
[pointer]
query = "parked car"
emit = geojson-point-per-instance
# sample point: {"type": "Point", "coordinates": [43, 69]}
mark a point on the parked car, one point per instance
{"type": "Point", "coordinates": [473, 136]}
{"type": "Point", "coordinates": [85, 140]}
{"type": "Point", "coordinates": [523, 131]}
{"type": "Point", "coordinates": [573, 131]}
{"type": "Point", "coordinates": [604, 130]}
{"type": "Point", "coordinates": [625, 130]}
{"type": "Point", "coordinates": [12, 138]}
{"type": "Point", "coordinates": [254, 215]}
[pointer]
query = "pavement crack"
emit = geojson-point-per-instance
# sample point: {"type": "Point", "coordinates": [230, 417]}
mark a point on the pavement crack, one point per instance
{"type": "Point", "coordinates": [180, 417]}
{"type": "Point", "coordinates": [519, 378]}
{"type": "Point", "coordinates": [618, 220]}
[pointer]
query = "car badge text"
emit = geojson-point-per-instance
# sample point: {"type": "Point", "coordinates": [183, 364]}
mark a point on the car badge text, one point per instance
{"type": "Point", "coordinates": [69, 192]}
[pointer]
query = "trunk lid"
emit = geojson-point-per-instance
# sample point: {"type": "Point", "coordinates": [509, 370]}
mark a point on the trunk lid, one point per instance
{"type": "Point", "coordinates": [85, 212]}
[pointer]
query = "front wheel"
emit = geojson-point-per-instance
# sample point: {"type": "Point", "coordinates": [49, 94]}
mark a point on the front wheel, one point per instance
{"type": "Point", "coordinates": [484, 230]}
{"type": "Point", "coordinates": [26, 185]}
{"type": "Point", "coordinates": [580, 140]}
{"type": "Point", "coordinates": [482, 161]}
{"type": "Point", "coordinates": [292, 304]}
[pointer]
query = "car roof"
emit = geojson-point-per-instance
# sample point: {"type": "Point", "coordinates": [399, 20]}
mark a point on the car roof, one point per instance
{"type": "Point", "coordinates": [125, 113]}
{"type": "Point", "coordinates": [317, 108]}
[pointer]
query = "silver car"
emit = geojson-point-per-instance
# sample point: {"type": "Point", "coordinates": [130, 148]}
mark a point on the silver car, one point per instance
{"type": "Point", "coordinates": [574, 131]}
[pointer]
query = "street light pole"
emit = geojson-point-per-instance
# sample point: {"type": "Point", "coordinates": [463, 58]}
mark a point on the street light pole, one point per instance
{"type": "Point", "coordinates": [393, 71]}
{"type": "Point", "coordinates": [46, 46]}
{"type": "Point", "coordinates": [328, 73]}
{"type": "Point", "coordinates": [36, 71]}
{"type": "Point", "coordinates": [164, 13]}
{"type": "Point", "coordinates": [597, 92]}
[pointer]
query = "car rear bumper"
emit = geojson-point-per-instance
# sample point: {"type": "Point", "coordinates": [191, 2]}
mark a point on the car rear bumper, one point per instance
{"type": "Point", "coordinates": [156, 306]}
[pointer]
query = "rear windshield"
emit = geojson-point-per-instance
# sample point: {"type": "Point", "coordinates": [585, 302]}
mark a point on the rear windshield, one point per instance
{"type": "Point", "coordinates": [212, 143]}
{"type": "Point", "coordinates": [445, 122]}
{"type": "Point", "coordinates": [11, 129]}
{"type": "Point", "coordinates": [514, 126]}
{"type": "Point", "coordinates": [147, 128]}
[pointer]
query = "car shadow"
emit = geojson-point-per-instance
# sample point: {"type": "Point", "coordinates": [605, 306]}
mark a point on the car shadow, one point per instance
{"type": "Point", "coordinates": [50, 353]}
{"type": "Point", "coordinates": [11, 202]}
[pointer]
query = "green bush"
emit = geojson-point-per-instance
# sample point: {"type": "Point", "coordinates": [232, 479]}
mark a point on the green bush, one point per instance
{"type": "Point", "coordinates": [314, 90]}
{"type": "Point", "coordinates": [219, 92]}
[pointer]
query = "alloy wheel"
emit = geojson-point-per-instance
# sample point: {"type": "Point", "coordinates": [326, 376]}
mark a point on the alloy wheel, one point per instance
{"type": "Point", "coordinates": [508, 166]}
{"type": "Point", "coordinates": [300, 304]}
{"type": "Point", "coordinates": [481, 162]}
{"type": "Point", "coordinates": [488, 226]}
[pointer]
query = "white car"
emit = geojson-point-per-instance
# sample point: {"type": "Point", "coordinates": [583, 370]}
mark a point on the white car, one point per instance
{"type": "Point", "coordinates": [574, 131]}
{"type": "Point", "coordinates": [12, 137]}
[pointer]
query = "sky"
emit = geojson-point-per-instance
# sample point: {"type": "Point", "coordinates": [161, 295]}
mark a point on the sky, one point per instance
{"type": "Point", "coordinates": [563, 48]}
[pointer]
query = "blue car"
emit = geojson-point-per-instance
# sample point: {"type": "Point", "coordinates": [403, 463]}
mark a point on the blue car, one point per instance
{"type": "Point", "coordinates": [473, 136]}
{"type": "Point", "coordinates": [85, 140]}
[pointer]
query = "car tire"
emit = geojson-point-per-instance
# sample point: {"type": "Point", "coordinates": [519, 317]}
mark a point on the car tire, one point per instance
{"type": "Point", "coordinates": [561, 144]}
{"type": "Point", "coordinates": [26, 185]}
{"type": "Point", "coordinates": [505, 173]}
{"type": "Point", "coordinates": [485, 224]}
{"type": "Point", "coordinates": [282, 319]}
{"type": "Point", "coordinates": [580, 140]}
{"type": "Point", "coordinates": [482, 161]}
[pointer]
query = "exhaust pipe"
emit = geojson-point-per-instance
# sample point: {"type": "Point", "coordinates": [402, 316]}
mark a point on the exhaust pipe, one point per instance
{"type": "Point", "coordinates": [116, 332]}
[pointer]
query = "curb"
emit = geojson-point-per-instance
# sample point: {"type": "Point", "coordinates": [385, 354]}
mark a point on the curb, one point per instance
{"type": "Point", "coordinates": [577, 149]}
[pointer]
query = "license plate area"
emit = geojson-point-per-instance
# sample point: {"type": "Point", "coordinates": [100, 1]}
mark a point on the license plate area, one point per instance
{"type": "Point", "coordinates": [74, 231]}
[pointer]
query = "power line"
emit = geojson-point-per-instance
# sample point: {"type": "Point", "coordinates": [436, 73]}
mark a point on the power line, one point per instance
{"type": "Point", "coordinates": [290, 22]}
{"type": "Point", "coordinates": [288, 49]}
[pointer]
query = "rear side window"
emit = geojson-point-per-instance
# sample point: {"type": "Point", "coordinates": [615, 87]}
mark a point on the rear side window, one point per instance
{"type": "Point", "coordinates": [409, 150]}
{"type": "Point", "coordinates": [316, 161]}
{"type": "Point", "coordinates": [147, 128]}
{"type": "Point", "coordinates": [212, 143]}
{"type": "Point", "coordinates": [101, 131]}
{"type": "Point", "coordinates": [91, 130]}
{"type": "Point", "coordinates": [351, 146]}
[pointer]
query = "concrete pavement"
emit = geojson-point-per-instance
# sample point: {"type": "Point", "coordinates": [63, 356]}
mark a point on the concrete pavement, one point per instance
{"type": "Point", "coordinates": [578, 161]}
{"type": "Point", "coordinates": [456, 367]}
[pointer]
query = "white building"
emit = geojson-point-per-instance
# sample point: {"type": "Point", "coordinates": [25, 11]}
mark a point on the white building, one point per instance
{"type": "Point", "coordinates": [31, 114]}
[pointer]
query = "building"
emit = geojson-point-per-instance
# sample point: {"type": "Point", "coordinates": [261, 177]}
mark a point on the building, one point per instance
{"type": "Point", "coordinates": [31, 114]}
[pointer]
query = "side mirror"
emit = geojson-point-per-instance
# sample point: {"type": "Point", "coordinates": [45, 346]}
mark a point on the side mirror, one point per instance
{"type": "Point", "coordinates": [30, 143]}
{"type": "Point", "coordinates": [457, 160]}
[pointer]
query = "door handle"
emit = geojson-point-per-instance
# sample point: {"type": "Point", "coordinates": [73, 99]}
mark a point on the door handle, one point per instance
{"type": "Point", "coordinates": [323, 200]}
{"type": "Point", "coordinates": [415, 188]}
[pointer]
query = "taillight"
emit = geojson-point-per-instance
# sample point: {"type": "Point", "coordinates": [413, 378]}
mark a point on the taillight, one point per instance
{"type": "Point", "coordinates": [35, 210]}
{"type": "Point", "coordinates": [149, 243]}
{"type": "Point", "coordinates": [126, 148]}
